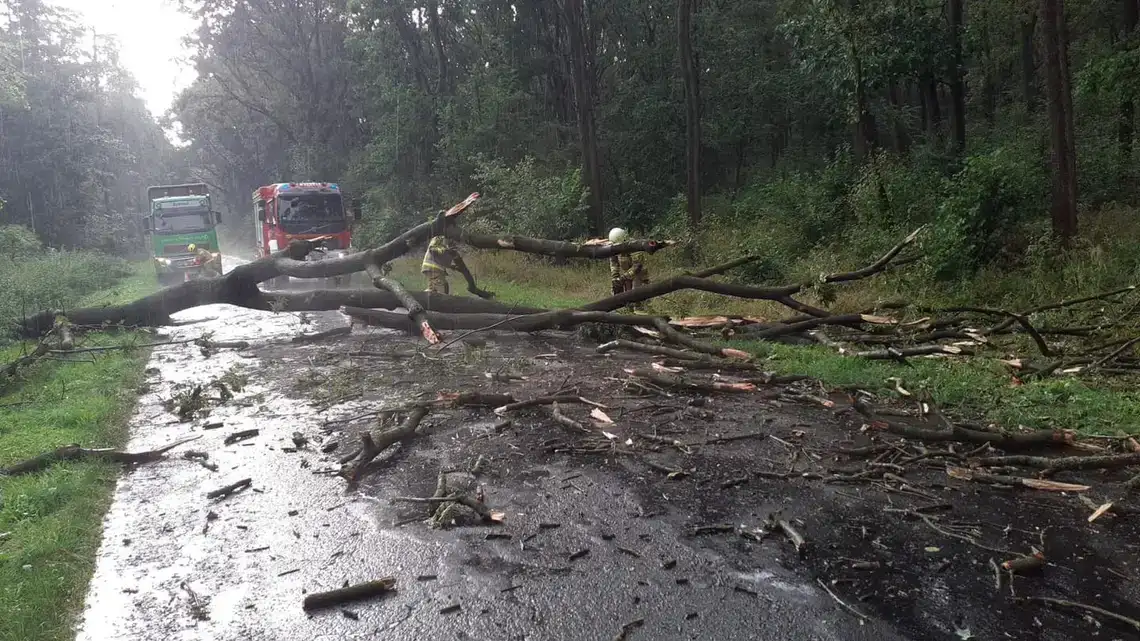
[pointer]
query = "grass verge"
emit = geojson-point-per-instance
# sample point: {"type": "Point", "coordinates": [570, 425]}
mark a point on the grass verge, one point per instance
{"type": "Point", "coordinates": [51, 522]}
{"type": "Point", "coordinates": [980, 387]}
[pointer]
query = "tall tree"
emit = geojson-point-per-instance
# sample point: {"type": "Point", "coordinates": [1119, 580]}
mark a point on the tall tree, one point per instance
{"type": "Point", "coordinates": [691, 77]}
{"type": "Point", "coordinates": [1062, 152]}
{"type": "Point", "coordinates": [957, 75]}
{"type": "Point", "coordinates": [579, 36]}
{"type": "Point", "coordinates": [77, 145]}
{"type": "Point", "coordinates": [1126, 128]}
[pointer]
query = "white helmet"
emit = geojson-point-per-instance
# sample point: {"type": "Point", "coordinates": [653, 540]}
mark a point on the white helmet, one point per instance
{"type": "Point", "coordinates": [618, 235]}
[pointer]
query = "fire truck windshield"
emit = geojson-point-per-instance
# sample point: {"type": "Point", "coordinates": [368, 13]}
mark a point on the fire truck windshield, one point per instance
{"type": "Point", "coordinates": [309, 208]}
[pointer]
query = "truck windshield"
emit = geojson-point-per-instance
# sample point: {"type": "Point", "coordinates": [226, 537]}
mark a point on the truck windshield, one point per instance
{"type": "Point", "coordinates": [310, 208]}
{"type": "Point", "coordinates": [183, 222]}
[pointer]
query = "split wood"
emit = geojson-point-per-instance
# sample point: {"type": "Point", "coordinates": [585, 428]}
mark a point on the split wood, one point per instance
{"type": "Point", "coordinates": [416, 312]}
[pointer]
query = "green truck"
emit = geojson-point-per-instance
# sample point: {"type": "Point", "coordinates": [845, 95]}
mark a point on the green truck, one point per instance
{"type": "Point", "coordinates": [180, 216]}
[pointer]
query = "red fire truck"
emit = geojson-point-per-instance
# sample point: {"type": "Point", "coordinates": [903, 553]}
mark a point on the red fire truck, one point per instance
{"type": "Point", "coordinates": [302, 211]}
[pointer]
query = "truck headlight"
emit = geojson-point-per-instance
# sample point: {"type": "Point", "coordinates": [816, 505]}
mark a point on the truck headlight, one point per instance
{"type": "Point", "coordinates": [162, 261]}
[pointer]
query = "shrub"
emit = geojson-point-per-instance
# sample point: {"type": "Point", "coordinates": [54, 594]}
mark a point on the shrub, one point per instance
{"type": "Point", "coordinates": [983, 208]}
{"type": "Point", "coordinates": [523, 199]}
{"type": "Point", "coordinates": [53, 280]}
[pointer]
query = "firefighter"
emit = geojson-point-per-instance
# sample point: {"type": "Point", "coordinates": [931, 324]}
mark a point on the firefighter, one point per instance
{"type": "Point", "coordinates": [626, 270]}
{"type": "Point", "coordinates": [441, 256]}
{"type": "Point", "coordinates": [206, 259]}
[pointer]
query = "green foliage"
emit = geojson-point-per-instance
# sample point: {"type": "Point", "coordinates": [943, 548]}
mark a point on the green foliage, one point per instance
{"type": "Point", "coordinates": [76, 161]}
{"type": "Point", "coordinates": [523, 200]}
{"type": "Point", "coordinates": [983, 210]}
{"type": "Point", "coordinates": [53, 280]}
{"type": "Point", "coordinates": [18, 242]}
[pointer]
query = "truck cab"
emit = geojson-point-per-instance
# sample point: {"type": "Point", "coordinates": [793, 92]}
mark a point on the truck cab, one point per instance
{"type": "Point", "coordinates": [180, 216]}
{"type": "Point", "coordinates": [283, 212]}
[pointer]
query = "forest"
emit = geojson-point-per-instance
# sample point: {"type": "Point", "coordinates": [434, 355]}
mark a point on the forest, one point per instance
{"type": "Point", "coordinates": [784, 127]}
{"type": "Point", "coordinates": [788, 128]}
{"type": "Point", "coordinates": [904, 246]}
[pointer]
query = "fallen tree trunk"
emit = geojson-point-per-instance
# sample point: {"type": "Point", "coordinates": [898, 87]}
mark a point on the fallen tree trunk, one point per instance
{"type": "Point", "coordinates": [556, 319]}
{"type": "Point", "coordinates": [555, 248]}
{"type": "Point", "coordinates": [240, 286]}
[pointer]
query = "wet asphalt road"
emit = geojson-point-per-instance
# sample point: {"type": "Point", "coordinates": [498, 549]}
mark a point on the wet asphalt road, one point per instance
{"type": "Point", "coordinates": [162, 574]}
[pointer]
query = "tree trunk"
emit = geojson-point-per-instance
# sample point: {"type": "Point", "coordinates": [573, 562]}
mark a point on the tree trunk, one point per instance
{"type": "Point", "coordinates": [1126, 127]}
{"type": "Point", "coordinates": [581, 71]}
{"type": "Point", "coordinates": [1059, 101]}
{"type": "Point", "coordinates": [901, 138]}
{"type": "Point", "coordinates": [928, 85]}
{"type": "Point", "coordinates": [990, 80]}
{"type": "Point", "coordinates": [957, 80]}
{"type": "Point", "coordinates": [1028, 64]}
{"type": "Point", "coordinates": [691, 78]}
{"type": "Point", "coordinates": [866, 131]}
{"type": "Point", "coordinates": [434, 19]}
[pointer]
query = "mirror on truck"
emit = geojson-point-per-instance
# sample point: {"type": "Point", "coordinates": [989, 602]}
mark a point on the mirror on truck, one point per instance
{"type": "Point", "coordinates": [261, 212]}
{"type": "Point", "coordinates": [217, 216]}
{"type": "Point", "coordinates": [356, 208]}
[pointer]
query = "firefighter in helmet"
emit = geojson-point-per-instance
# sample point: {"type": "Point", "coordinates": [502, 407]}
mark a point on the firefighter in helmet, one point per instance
{"type": "Point", "coordinates": [440, 257]}
{"type": "Point", "coordinates": [626, 270]}
{"type": "Point", "coordinates": [206, 259]}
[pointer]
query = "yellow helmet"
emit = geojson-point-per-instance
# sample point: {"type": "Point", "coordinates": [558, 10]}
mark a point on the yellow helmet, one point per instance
{"type": "Point", "coordinates": [191, 247]}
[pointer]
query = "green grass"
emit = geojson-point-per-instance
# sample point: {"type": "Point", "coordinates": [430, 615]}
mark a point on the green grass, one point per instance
{"type": "Point", "coordinates": [53, 518]}
{"type": "Point", "coordinates": [981, 388]}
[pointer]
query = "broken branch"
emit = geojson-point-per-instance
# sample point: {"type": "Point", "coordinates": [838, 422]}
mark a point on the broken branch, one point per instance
{"type": "Point", "coordinates": [318, 600]}
{"type": "Point", "coordinates": [76, 453]}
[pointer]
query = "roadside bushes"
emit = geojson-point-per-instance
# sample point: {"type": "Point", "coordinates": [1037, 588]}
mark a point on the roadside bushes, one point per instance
{"type": "Point", "coordinates": [33, 277]}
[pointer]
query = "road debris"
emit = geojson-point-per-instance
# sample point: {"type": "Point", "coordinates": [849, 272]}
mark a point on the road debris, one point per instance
{"type": "Point", "coordinates": [349, 593]}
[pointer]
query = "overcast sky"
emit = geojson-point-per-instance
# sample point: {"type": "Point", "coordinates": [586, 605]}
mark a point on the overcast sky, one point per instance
{"type": "Point", "coordinates": [150, 36]}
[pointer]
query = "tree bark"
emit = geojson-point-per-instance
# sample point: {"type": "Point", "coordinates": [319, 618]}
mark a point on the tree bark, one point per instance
{"type": "Point", "coordinates": [866, 131]}
{"type": "Point", "coordinates": [582, 76]}
{"type": "Point", "coordinates": [1127, 128]}
{"type": "Point", "coordinates": [928, 86]}
{"type": "Point", "coordinates": [1028, 63]}
{"type": "Point", "coordinates": [691, 77]}
{"type": "Point", "coordinates": [901, 138]}
{"type": "Point", "coordinates": [957, 80]}
{"type": "Point", "coordinates": [1059, 96]}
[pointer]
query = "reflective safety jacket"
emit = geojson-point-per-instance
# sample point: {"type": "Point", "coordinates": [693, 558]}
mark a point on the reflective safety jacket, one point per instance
{"type": "Point", "coordinates": [439, 256]}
